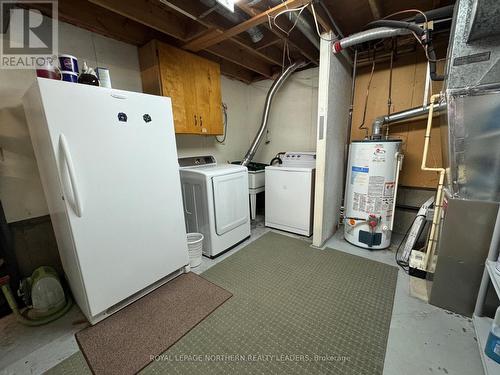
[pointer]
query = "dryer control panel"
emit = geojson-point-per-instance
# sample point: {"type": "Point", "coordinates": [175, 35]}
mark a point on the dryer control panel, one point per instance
{"type": "Point", "coordinates": [194, 161]}
{"type": "Point", "coordinates": [299, 159]}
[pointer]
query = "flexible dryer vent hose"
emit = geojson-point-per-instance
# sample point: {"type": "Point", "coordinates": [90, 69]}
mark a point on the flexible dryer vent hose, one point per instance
{"type": "Point", "coordinates": [267, 109]}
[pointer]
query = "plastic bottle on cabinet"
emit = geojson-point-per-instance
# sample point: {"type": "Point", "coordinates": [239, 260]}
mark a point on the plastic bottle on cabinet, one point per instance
{"type": "Point", "coordinates": [492, 348]}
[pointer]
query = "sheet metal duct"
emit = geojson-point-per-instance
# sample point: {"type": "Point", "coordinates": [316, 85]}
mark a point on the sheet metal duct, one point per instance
{"type": "Point", "coordinates": [470, 133]}
{"type": "Point", "coordinates": [303, 25]}
{"type": "Point", "coordinates": [367, 35]}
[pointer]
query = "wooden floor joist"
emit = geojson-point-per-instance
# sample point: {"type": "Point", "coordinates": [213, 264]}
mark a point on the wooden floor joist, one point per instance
{"type": "Point", "coordinates": [149, 14]}
{"type": "Point", "coordinates": [298, 42]}
{"type": "Point", "coordinates": [256, 20]}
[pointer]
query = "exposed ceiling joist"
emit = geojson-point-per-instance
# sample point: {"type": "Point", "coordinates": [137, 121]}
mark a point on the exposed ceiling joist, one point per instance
{"type": "Point", "coordinates": [194, 44]}
{"type": "Point", "coordinates": [230, 51]}
{"type": "Point", "coordinates": [321, 19]}
{"type": "Point", "coordinates": [375, 8]}
{"type": "Point", "coordinates": [230, 69]}
{"type": "Point", "coordinates": [102, 21]}
{"type": "Point", "coordinates": [198, 12]}
{"type": "Point", "coordinates": [148, 14]}
{"type": "Point", "coordinates": [272, 57]}
{"type": "Point", "coordinates": [151, 15]}
{"type": "Point", "coordinates": [193, 10]}
{"type": "Point", "coordinates": [221, 36]}
{"type": "Point", "coordinates": [252, 22]}
{"type": "Point", "coordinates": [301, 44]}
{"type": "Point", "coordinates": [268, 44]}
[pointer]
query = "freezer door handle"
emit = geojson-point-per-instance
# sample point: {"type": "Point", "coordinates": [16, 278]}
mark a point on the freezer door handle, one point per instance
{"type": "Point", "coordinates": [63, 144]}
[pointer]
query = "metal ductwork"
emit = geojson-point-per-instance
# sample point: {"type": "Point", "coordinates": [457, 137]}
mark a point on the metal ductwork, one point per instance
{"type": "Point", "coordinates": [365, 36]}
{"type": "Point", "coordinates": [306, 29]}
{"type": "Point", "coordinates": [255, 33]}
{"type": "Point", "coordinates": [267, 108]}
{"type": "Point", "coordinates": [379, 122]}
{"type": "Point", "coordinates": [303, 25]}
{"type": "Point", "coordinates": [380, 29]}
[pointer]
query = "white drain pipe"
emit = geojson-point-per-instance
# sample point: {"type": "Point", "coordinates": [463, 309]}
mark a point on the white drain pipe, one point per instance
{"type": "Point", "coordinates": [438, 202]}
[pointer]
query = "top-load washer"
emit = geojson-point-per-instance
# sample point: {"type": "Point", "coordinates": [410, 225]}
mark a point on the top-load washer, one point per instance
{"type": "Point", "coordinates": [215, 198]}
{"type": "Point", "coordinates": [290, 193]}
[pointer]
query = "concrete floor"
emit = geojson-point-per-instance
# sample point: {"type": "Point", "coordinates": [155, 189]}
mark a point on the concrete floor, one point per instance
{"type": "Point", "coordinates": [423, 339]}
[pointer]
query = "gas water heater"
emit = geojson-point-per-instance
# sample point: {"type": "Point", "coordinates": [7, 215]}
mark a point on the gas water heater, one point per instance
{"type": "Point", "coordinates": [371, 186]}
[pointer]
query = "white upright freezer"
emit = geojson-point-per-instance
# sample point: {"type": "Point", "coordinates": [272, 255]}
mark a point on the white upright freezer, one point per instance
{"type": "Point", "coordinates": [108, 164]}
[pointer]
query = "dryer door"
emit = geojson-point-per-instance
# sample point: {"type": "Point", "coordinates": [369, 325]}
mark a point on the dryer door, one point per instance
{"type": "Point", "coordinates": [230, 201]}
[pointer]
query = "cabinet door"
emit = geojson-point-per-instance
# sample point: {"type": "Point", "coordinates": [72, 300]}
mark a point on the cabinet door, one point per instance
{"type": "Point", "coordinates": [192, 82]}
{"type": "Point", "coordinates": [178, 84]}
{"type": "Point", "coordinates": [208, 94]}
{"type": "Point", "coordinates": [191, 103]}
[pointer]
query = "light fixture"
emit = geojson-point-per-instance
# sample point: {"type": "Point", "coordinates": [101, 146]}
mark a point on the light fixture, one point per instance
{"type": "Point", "coordinates": [228, 4]}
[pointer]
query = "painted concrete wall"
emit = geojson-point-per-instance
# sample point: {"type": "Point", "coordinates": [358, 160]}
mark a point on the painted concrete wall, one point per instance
{"type": "Point", "coordinates": [20, 187]}
{"type": "Point", "coordinates": [292, 122]}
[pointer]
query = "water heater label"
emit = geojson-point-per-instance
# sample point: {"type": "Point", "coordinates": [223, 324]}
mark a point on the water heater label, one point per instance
{"type": "Point", "coordinates": [359, 176]}
{"type": "Point", "coordinates": [360, 169]}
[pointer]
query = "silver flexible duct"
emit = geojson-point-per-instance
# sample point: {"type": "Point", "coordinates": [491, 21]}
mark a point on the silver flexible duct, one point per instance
{"type": "Point", "coordinates": [267, 108]}
{"type": "Point", "coordinates": [379, 122]}
{"type": "Point", "coordinates": [365, 36]}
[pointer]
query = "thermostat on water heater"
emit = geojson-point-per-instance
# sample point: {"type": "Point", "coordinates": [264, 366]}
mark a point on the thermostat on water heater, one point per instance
{"type": "Point", "coordinates": [228, 4]}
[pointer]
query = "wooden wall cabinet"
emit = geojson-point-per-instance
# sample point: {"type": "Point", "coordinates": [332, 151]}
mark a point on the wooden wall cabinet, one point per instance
{"type": "Point", "coordinates": [192, 82]}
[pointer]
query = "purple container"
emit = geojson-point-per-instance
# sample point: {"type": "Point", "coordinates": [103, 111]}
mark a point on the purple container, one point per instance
{"type": "Point", "coordinates": [69, 76]}
{"type": "Point", "coordinates": [68, 63]}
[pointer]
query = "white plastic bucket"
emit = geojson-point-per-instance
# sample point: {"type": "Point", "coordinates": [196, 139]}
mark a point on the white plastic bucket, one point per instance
{"type": "Point", "coordinates": [195, 248]}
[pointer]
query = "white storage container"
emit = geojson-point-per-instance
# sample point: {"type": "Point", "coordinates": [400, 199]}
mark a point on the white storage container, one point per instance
{"type": "Point", "coordinates": [195, 248]}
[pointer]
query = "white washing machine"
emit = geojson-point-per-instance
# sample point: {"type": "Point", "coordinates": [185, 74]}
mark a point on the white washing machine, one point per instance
{"type": "Point", "coordinates": [215, 198]}
{"type": "Point", "coordinates": [290, 193]}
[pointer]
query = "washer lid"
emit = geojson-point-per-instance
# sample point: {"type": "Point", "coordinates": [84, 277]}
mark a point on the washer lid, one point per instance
{"type": "Point", "coordinates": [290, 169]}
{"type": "Point", "coordinates": [215, 170]}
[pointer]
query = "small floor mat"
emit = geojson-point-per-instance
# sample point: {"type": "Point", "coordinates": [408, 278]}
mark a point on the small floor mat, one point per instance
{"type": "Point", "coordinates": [130, 339]}
{"type": "Point", "coordinates": [294, 310]}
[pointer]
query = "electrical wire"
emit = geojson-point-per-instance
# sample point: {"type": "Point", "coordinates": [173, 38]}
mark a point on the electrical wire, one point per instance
{"type": "Point", "coordinates": [408, 11]}
{"type": "Point", "coordinates": [335, 37]}
{"type": "Point", "coordinates": [426, 28]}
{"type": "Point", "coordinates": [389, 95]}
{"type": "Point", "coordinates": [224, 111]}
{"type": "Point", "coordinates": [286, 47]}
{"type": "Point", "coordinates": [362, 126]}
{"type": "Point", "coordinates": [299, 9]}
